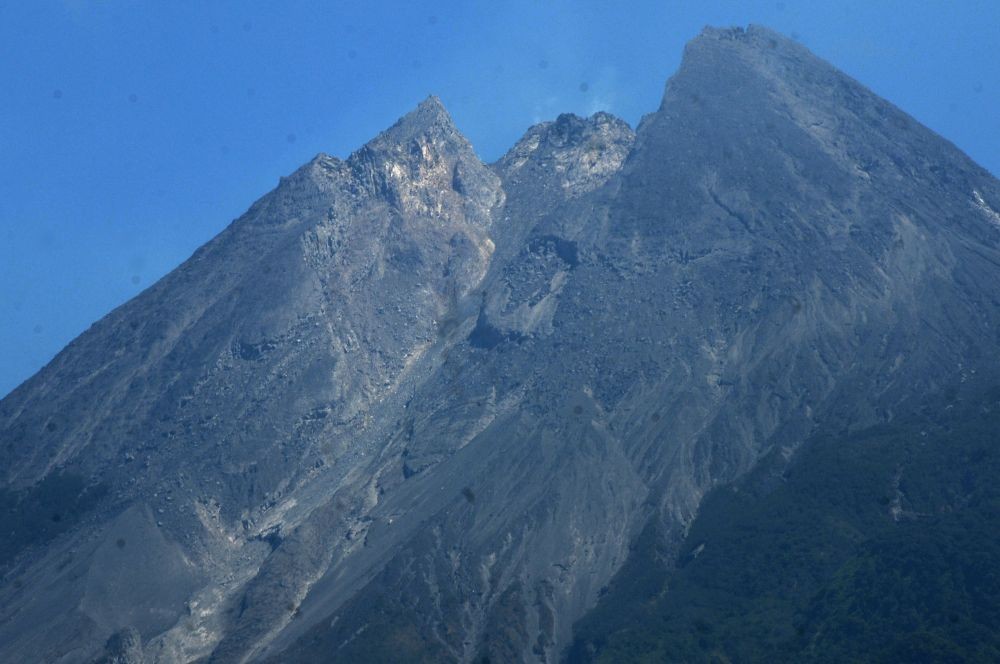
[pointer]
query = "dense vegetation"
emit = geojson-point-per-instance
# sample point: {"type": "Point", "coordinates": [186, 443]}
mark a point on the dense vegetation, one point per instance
{"type": "Point", "coordinates": [877, 546]}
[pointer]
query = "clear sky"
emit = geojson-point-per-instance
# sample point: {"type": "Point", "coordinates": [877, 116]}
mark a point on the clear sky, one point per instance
{"type": "Point", "coordinates": [133, 131]}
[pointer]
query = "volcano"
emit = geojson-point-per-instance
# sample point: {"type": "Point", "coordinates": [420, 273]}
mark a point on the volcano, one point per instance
{"type": "Point", "coordinates": [412, 407]}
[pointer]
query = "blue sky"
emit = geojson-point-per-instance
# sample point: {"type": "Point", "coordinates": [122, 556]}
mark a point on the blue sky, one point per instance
{"type": "Point", "coordinates": [133, 131]}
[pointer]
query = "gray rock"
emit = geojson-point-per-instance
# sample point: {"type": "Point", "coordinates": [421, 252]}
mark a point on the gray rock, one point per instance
{"type": "Point", "coordinates": [411, 406]}
{"type": "Point", "coordinates": [124, 647]}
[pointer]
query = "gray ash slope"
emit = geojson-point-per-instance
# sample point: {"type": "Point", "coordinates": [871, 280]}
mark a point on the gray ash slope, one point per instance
{"type": "Point", "coordinates": [412, 407]}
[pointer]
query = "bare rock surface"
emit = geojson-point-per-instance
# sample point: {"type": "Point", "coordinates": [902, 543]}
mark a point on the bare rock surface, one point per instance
{"type": "Point", "coordinates": [413, 407]}
{"type": "Point", "coordinates": [124, 647]}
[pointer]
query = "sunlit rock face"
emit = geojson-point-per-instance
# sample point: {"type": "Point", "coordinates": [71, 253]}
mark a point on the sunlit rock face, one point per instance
{"type": "Point", "coordinates": [413, 407]}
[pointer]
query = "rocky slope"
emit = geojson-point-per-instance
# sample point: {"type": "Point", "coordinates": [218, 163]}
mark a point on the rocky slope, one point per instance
{"type": "Point", "coordinates": [412, 407]}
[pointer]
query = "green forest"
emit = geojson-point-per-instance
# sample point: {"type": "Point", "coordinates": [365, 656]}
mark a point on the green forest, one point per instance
{"type": "Point", "coordinates": [875, 546]}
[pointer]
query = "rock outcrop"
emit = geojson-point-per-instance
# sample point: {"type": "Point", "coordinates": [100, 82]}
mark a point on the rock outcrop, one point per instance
{"type": "Point", "coordinates": [124, 647]}
{"type": "Point", "coordinates": [413, 407]}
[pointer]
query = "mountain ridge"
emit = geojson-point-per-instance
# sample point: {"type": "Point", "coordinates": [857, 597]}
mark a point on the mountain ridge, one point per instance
{"type": "Point", "coordinates": [413, 403]}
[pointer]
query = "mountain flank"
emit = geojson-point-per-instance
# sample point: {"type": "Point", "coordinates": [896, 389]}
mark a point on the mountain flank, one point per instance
{"type": "Point", "coordinates": [721, 388]}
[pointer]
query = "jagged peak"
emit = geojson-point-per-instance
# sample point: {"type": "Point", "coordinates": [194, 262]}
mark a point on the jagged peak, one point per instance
{"type": "Point", "coordinates": [567, 130]}
{"type": "Point", "coordinates": [432, 104]}
{"type": "Point", "coordinates": [423, 164]}
{"type": "Point", "coordinates": [429, 113]}
{"type": "Point", "coordinates": [579, 153]}
{"type": "Point", "coordinates": [430, 117]}
{"type": "Point", "coordinates": [598, 119]}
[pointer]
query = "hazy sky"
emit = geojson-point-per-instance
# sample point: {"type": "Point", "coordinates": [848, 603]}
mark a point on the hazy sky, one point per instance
{"type": "Point", "coordinates": [133, 131]}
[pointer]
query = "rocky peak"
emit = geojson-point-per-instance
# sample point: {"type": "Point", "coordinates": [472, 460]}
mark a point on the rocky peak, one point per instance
{"type": "Point", "coordinates": [736, 86]}
{"type": "Point", "coordinates": [752, 44]}
{"type": "Point", "coordinates": [571, 154]}
{"type": "Point", "coordinates": [365, 410]}
{"type": "Point", "coordinates": [424, 166]}
{"type": "Point", "coordinates": [752, 36]}
{"type": "Point", "coordinates": [429, 117]}
{"type": "Point", "coordinates": [747, 63]}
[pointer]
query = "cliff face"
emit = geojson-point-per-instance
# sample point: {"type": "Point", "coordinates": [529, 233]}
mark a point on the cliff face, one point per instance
{"type": "Point", "coordinates": [411, 406]}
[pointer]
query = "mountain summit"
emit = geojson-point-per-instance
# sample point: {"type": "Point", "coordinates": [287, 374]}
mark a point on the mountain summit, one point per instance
{"type": "Point", "coordinates": [414, 407]}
